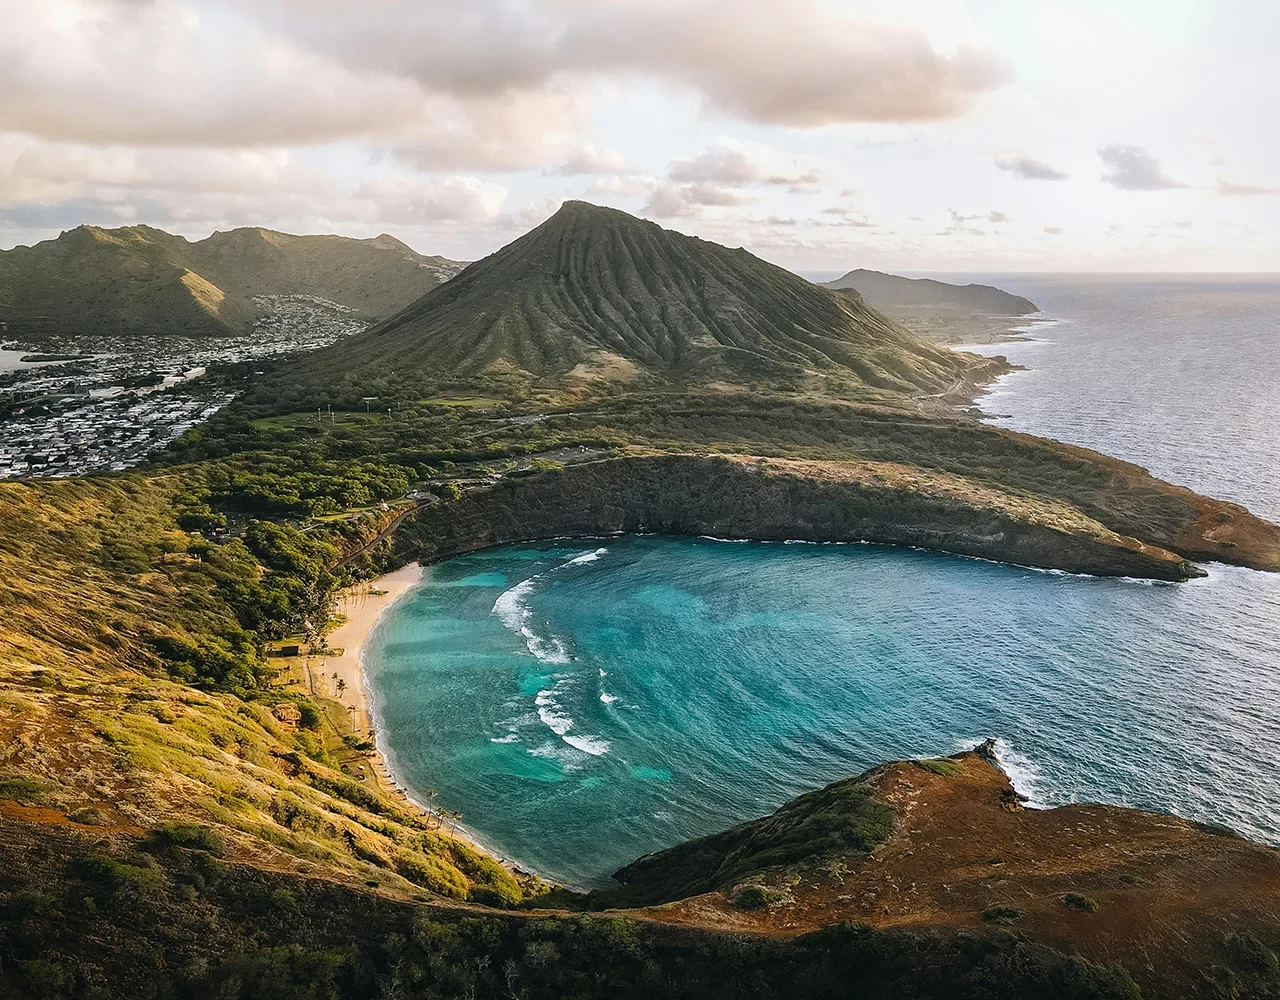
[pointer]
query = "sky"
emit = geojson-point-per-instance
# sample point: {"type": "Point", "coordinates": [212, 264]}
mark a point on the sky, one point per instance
{"type": "Point", "coordinates": [906, 135]}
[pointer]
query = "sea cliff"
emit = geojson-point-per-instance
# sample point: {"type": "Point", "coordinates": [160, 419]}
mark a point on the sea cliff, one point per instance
{"type": "Point", "coordinates": [777, 499]}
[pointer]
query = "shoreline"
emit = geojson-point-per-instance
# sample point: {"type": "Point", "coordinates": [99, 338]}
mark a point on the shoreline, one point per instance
{"type": "Point", "coordinates": [364, 607]}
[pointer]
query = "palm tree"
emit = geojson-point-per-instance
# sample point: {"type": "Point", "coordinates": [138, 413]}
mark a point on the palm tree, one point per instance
{"type": "Point", "coordinates": [342, 685]}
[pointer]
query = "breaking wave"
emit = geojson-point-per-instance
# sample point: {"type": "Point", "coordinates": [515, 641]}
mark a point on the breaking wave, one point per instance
{"type": "Point", "coordinates": [512, 609]}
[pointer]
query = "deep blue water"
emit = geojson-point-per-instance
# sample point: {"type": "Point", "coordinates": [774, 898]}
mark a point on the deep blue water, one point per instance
{"type": "Point", "coordinates": [584, 703]}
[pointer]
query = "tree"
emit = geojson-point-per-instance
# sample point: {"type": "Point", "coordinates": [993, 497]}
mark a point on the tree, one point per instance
{"type": "Point", "coordinates": [341, 685]}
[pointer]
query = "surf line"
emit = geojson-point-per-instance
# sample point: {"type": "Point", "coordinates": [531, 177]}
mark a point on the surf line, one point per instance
{"type": "Point", "coordinates": [513, 610]}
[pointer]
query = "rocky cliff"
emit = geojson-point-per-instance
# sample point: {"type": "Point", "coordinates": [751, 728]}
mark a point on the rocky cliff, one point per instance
{"type": "Point", "coordinates": [777, 499]}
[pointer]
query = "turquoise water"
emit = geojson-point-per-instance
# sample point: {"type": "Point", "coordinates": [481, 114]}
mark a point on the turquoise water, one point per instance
{"type": "Point", "coordinates": [583, 703]}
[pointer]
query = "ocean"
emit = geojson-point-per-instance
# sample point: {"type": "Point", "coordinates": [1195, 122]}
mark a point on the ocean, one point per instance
{"type": "Point", "coordinates": [586, 702]}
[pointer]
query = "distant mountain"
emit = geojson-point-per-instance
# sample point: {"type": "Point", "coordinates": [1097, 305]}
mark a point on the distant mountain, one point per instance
{"type": "Point", "coordinates": [936, 309]}
{"type": "Point", "coordinates": [137, 280]}
{"type": "Point", "coordinates": [597, 293]}
{"type": "Point", "coordinates": [891, 291]}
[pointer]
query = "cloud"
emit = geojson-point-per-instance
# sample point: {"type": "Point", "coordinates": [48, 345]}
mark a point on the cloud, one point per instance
{"type": "Point", "coordinates": [493, 133]}
{"type": "Point", "coordinates": [849, 216]}
{"type": "Point", "coordinates": [1243, 190]}
{"type": "Point", "coordinates": [960, 224]}
{"type": "Point", "coordinates": [1132, 168]}
{"type": "Point", "coordinates": [165, 73]}
{"type": "Point", "coordinates": [1053, 230]}
{"type": "Point", "coordinates": [457, 87]}
{"type": "Point", "coordinates": [671, 200]}
{"type": "Point", "coordinates": [723, 175]}
{"type": "Point", "coordinates": [997, 217]}
{"type": "Point", "coordinates": [1030, 169]}
{"type": "Point", "coordinates": [623, 186]}
{"type": "Point", "coordinates": [737, 164]}
{"type": "Point", "coordinates": [66, 184]}
{"type": "Point", "coordinates": [408, 199]}
{"type": "Point", "coordinates": [590, 159]}
{"type": "Point", "coordinates": [801, 63]}
{"type": "Point", "coordinates": [530, 215]}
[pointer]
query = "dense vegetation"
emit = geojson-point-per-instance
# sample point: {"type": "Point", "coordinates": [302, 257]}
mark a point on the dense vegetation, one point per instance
{"type": "Point", "coordinates": [87, 927]}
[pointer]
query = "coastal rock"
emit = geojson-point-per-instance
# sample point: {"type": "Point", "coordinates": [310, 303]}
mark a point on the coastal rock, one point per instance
{"type": "Point", "coordinates": [736, 497]}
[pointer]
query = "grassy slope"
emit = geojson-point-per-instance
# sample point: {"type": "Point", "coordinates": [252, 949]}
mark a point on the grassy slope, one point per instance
{"type": "Point", "coordinates": [141, 281]}
{"type": "Point", "coordinates": [95, 572]}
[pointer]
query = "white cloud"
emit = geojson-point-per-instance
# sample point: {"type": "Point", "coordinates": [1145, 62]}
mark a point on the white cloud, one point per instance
{"type": "Point", "coordinates": [672, 200]}
{"type": "Point", "coordinates": [1243, 190]}
{"type": "Point", "coordinates": [487, 80]}
{"type": "Point", "coordinates": [407, 199]}
{"type": "Point", "coordinates": [592, 160]}
{"type": "Point", "coordinates": [69, 183]}
{"type": "Point", "coordinates": [168, 73]}
{"type": "Point", "coordinates": [1132, 168]}
{"type": "Point", "coordinates": [724, 176]}
{"type": "Point", "coordinates": [1029, 168]}
{"type": "Point", "coordinates": [737, 164]}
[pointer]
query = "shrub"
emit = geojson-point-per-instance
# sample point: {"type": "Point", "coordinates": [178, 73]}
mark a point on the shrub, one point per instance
{"type": "Point", "coordinates": [192, 835]}
{"type": "Point", "coordinates": [1002, 915]}
{"type": "Point", "coordinates": [1083, 904]}
{"type": "Point", "coordinates": [432, 873]}
{"type": "Point", "coordinates": [118, 882]}
{"type": "Point", "coordinates": [754, 897]}
{"type": "Point", "coordinates": [1249, 955]}
{"type": "Point", "coordinates": [90, 816]}
{"type": "Point", "coordinates": [309, 716]}
{"type": "Point", "coordinates": [21, 789]}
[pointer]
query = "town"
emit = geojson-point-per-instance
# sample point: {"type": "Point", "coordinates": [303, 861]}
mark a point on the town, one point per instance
{"type": "Point", "coordinates": [106, 404]}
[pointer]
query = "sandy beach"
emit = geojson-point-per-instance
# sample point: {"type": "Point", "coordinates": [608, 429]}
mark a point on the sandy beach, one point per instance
{"type": "Point", "coordinates": [362, 607]}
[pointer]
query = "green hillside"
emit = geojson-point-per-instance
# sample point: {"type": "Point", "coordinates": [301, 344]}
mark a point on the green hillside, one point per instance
{"type": "Point", "coordinates": [596, 294]}
{"type": "Point", "coordinates": [891, 291]}
{"type": "Point", "coordinates": [140, 281]}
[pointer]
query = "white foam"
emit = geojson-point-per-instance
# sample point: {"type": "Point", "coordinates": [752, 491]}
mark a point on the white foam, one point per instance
{"type": "Point", "coordinates": [1026, 777]}
{"type": "Point", "coordinates": [509, 738]}
{"type": "Point", "coordinates": [608, 698]}
{"type": "Point", "coordinates": [512, 609]}
{"type": "Point", "coordinates": [586, 557]}
{"type": "Point", "coordinates": [593, 745]}
{"type": "Point", "coordinates": [550, 714]}
{"type": "Point", "coordinates": [1028, 780]}
{"type": "Point", "coordinates": [510, 605]}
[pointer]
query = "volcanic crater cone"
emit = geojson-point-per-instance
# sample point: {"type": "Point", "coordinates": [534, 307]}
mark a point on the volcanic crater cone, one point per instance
{"type": "Point", "coordinates": [597, 293]}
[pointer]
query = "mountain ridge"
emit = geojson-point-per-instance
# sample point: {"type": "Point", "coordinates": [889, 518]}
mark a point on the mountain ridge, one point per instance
{"type": "Point", "coordinates": [133, 280]}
